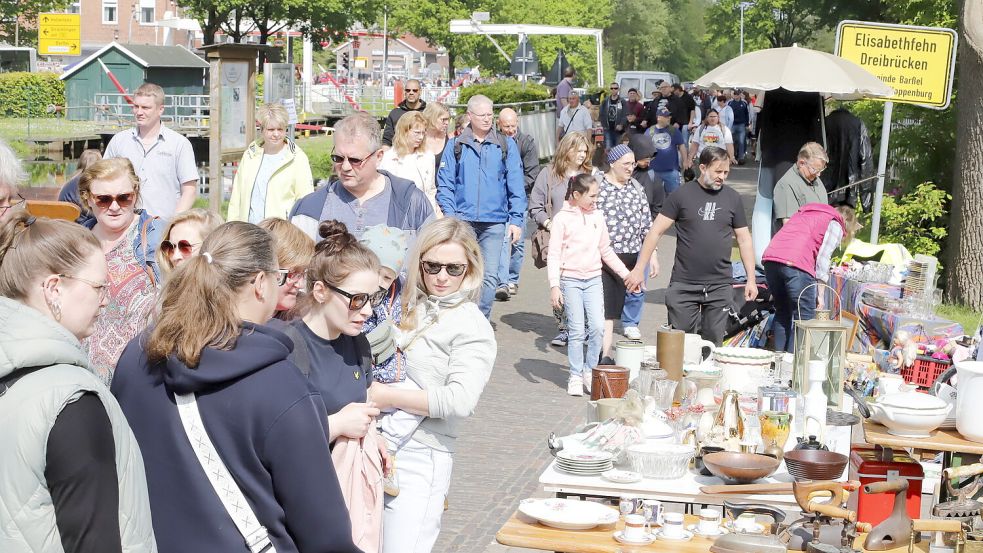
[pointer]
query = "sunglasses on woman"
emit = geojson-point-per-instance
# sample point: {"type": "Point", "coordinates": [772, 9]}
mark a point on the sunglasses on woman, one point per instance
{"type": "Point", "coordinates": [186, 248]}
{"type": "Point", "coordinates": [453, 269]}
{"type": "Point", "coordinates": [358, 301]}
{"type": "Point", "coordinates": [103, 201]}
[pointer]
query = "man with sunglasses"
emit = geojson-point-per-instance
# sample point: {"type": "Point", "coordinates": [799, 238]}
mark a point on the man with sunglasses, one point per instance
{"type": "Point", "coordinates": [480, 181]}
{"type": "Point", "coordinates": [162, 158]}
{"type": "Point", "coordinates": [614, 117]}
{"type": "Point", "coordinates": [360, 195]}
{"type": "Point", "coordinates": [801, 184]}
{"type": "Point", "coordinates": [411, 102]}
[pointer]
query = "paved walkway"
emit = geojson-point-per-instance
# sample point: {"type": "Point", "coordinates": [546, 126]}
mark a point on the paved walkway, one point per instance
{"type": "Point", "coordinates": [502, 447]}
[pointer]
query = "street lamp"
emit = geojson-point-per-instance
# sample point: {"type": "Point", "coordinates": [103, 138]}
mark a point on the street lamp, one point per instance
{"type": "Point", "coordinates": [744, 6]}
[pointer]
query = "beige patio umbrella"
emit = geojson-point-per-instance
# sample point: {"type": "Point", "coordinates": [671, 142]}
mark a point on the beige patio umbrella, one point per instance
{"type": "Point", "coordinates": [797, 69]}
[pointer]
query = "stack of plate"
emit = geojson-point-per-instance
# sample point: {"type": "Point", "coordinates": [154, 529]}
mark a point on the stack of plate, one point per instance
{"type": "Point", "coordinates": [921, 276]}
{"type": "Point", "coordinates": [584, 463]}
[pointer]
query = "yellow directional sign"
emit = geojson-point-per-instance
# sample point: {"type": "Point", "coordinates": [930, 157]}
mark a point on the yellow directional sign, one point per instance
{"type": "Point", "coordinates": [917, 62]}
{"type": "Point", "coordinates": [59, 34]}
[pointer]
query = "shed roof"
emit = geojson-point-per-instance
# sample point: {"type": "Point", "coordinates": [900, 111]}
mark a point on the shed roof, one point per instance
{"type": "Point", "coordinates": [147, 56]}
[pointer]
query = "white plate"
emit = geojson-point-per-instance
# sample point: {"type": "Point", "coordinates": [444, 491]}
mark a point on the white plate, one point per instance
{"type": "Point", "coordinates": [695, 528]}
{"type": "Point", "coordinates": [568, 514]}
{"type": "Point", "coordinates": [622, 476]}
{"type": "Point", "coordinates": [584, 456]}
{"type": "Point", "coordinates": [583, 472]}
{"type": "Point", "coordinates": [620, 537]}
{"type": "Point", "coordinates": [687, 535]}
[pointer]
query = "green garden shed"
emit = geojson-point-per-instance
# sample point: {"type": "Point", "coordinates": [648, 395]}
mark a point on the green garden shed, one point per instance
{"type": "Point", "coordinates": [176, 69]}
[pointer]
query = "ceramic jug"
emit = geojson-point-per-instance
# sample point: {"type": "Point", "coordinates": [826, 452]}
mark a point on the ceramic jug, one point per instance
{"type": "Point", "coordinates": [969, 407]}
{"type": "Point", "coordinates": [775, 428]}
{"type": "Point", "coordinates": [693, 350]}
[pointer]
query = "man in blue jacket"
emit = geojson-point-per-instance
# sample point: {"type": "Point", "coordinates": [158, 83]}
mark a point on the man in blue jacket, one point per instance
{"type": "Point", "coordinates": [361, 195]}
{"type": "Point", "coordinates": [480, 181]}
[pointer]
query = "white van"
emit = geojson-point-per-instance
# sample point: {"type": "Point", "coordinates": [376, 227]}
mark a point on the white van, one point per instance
{"type": "Point", "coordinates": [644, 81]}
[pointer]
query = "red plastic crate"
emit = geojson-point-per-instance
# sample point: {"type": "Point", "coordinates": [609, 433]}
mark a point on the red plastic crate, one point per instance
{"type": "Point", "coordinates": [924, 371]}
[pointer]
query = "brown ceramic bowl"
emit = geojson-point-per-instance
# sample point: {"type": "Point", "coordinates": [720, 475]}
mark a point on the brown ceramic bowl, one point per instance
{"type": "Point", "coordinates": [815, 464]}
{"type": "Point", "coordinates": [740, 468]}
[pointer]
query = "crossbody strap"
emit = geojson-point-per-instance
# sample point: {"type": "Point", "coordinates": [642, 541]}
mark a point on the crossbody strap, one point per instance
{"type": "Point", "coordinates": [228, 491]}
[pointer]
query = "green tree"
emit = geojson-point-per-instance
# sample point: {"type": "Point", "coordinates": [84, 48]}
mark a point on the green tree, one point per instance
{"type": "Point", "coordinates": [25, 14]}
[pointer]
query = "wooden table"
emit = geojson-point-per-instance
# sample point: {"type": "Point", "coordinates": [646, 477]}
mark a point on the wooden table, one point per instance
{"type": "Point", "coordinates": [939, 440]}
{"type": "Point", "coordinates": [521, 531]}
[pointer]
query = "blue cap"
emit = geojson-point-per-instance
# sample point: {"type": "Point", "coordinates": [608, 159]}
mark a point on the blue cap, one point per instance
{"type": "Point", "coordinates": [619, 151]}
{"type": "Point", "coordinates": [389, 245]}
{"type": "Point", "coordinates": [663, 113]}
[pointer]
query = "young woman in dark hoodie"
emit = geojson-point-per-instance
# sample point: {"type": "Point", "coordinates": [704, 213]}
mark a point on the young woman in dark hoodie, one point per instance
{"type": "Point", "coordinates": [265, 421]}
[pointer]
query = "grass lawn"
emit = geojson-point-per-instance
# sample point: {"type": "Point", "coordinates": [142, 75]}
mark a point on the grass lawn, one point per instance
{"type": "Point", "coordinates": [963, 315]}
{"type": "Point", "coordinates": [37, 128]}
{"type": "Point", "coordinates": [318, 149]}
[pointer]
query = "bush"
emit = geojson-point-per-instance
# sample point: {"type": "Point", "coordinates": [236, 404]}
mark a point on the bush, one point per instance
{"type": "Point", "coordinates": [29, 94]}
{"type": "Point", "coordinates": [506, 91]}
{"type": "Point", "coordinates": [915, 219]}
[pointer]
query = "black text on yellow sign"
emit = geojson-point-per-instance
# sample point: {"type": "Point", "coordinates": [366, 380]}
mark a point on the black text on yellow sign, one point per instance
{"type": "Point", "coordinates": [59, 34]}
{"type": "Point", "coordinates": [917, 62]}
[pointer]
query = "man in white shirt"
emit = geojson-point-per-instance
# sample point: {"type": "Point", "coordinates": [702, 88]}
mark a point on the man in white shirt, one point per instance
{"type": "Point", "coordinates": [574, 117]}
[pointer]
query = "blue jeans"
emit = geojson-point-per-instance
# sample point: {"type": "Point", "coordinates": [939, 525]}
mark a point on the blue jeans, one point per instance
{"type": "Point", "coordinates": [670, 180]}
{"type": "Point", "coordinates": [611, 138]}
{"type": "Point", "coordinates": [583, 301]}
{"type": "Point", "coordinates": [785, 284]}
{"type": "Point", "coordinates": [511, 260]}
{"type": "Point", "coordinates": [631, 315]}
{"type": "Point", "coordinates": [739, 130]}
{"type": "Point", "coordinates": [490, 237]}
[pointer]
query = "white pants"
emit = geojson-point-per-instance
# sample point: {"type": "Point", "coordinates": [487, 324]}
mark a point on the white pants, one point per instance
{"type": "Point", "coordinates": [411, 520]}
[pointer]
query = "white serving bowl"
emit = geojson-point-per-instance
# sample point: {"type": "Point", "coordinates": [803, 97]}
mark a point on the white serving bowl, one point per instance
{"type": "Point", "coordinates": [908, 423]}
{"type": "Point", "coordinates": [662, 461]}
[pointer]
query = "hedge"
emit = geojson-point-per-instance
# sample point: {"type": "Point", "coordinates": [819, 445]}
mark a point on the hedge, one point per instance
{"type": "Point", "coordinates": [25, 94]}
{"type": "Point", "coordinates": [506, 91]}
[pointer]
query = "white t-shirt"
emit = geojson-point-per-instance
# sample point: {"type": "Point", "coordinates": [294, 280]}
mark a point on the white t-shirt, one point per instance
{"type": "Point", "coordinates": [718, 135]}
{"type": "Point", "coordinates": [257, 200]}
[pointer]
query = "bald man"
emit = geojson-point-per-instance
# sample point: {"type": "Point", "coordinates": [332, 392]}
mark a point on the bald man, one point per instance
{"type": "Point", "coordinates": [512, 254]}
{"type": "Point", "coordinates": [412, 101]}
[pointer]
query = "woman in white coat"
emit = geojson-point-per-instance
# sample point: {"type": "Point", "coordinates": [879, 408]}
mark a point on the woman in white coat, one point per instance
{"type": "Point", "coordinates": [409, 159]}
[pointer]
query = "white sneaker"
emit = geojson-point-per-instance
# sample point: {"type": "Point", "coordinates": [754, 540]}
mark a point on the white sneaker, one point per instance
{"type": "Point", "coordinates": [587, 382]}
{"type": "Point", "coordinates": [575, 386]}
{"type": "Point", "coordinates": [632, 333]}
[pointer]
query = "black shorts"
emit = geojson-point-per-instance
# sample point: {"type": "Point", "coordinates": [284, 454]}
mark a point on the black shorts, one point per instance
{"type": "Point", "coordinates": [614, 287]}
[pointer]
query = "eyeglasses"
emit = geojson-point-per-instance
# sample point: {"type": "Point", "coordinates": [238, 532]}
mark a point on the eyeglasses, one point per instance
{"type": "Point", "coordinates": [358, 301]}
{"type": "Point", "coordinates": [101, 289]}
{"type": "Point", "coordinates": [104, 201]}
{"type": "Point", "coordinates": [3, 209]}
{"type": "Point", "coordinates": [411, 89]}
{"type": "Point", "coordinates": [481, 115]}
{"type": "Point", "coordinates": [281, 276]}
{"type": "Point", "coordinates": [615, 88]}
{"type": "Point", "coordinates": [186, 248]}
{"type": "Point", "coordinates": [453, 269]}
{"type": "Point", "coordinates": [813, 169]}
{"type": "Point", "coordinates": [355, 162]}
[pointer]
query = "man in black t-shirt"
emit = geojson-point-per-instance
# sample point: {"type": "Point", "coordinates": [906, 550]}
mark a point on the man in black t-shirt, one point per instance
{"type": "Point", "coordinates": [707, 216]}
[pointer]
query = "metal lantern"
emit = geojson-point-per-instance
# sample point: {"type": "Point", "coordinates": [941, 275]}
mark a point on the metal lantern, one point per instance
{"type": "Point", "coordinates": [824, 341]}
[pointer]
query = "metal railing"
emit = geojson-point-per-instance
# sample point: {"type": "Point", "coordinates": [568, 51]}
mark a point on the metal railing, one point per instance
{"type": "Point", "coordinates": [187, 113]}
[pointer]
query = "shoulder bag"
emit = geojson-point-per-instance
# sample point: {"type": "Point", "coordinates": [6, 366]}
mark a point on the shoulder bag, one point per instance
{"type": "Point", "coordinates": [541, 237]}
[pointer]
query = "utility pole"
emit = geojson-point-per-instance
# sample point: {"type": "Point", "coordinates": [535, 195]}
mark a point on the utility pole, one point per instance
{"type": "Point", "coordinates": [744, 6]}
{"type": "Point", "coordinates": [385, 45]}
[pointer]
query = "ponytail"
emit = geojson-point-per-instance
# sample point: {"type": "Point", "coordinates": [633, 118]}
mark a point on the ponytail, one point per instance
{"type": "Point", "coordinates": [32, 247]}
{"type": "Point", "coordinates": [579, 184]}
{"type": "Point", "coordinates": [199, 300]}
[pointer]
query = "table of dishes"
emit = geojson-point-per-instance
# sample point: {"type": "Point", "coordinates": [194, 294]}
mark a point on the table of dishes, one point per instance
{"type": "Point", "coordinates": [522, 530]}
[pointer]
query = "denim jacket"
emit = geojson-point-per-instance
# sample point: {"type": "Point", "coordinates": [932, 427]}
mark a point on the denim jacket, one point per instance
{"type": "Point", "coordinates": [152, 228]}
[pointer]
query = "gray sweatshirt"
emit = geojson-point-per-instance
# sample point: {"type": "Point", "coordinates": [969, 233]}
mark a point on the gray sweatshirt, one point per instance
{"type": "Point", "coordinates": [557, 187]}
{"type": "Point", "coordinates": [450, 354]}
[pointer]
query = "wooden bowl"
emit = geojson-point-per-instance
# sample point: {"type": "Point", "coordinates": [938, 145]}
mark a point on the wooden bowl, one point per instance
{"type": "Point", "coordinates": [815, 464]}
{"type": "Point", "coordinates": [740, 468]}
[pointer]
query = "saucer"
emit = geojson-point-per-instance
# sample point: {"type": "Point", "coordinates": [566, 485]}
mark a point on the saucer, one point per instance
{"type": "Point", "coordinates": [758, 528]}
{"type": "Point", "coordinates": [685, 537]}
{"type": "Point", "coordinates": [621, 476]}
{"type": "Point", "coordinates": [620, 537]}
{"type": "Point", "coordinates": [695, 528]}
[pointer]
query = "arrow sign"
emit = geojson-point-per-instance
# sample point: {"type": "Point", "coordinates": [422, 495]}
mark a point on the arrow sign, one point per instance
{"type": "Point", "coordinates": [61, 34]}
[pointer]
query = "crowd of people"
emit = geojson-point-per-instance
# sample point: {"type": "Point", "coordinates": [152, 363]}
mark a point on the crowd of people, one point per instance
{"type": "Point", "coordinates": [301, 367]}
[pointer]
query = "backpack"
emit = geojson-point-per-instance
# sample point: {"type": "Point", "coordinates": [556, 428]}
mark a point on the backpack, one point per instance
{"type": "Point", "coordinates": [502, 142]}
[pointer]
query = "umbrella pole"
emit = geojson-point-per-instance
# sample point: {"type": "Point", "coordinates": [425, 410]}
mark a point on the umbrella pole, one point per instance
{"type": "Point", "coordinates": [822, 120]}
{"type": "Point", "coordinates": [875, 221]}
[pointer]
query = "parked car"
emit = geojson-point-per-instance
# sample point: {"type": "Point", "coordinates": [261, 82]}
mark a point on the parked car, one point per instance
{"type": "Point", "coordinates": [643, 81]}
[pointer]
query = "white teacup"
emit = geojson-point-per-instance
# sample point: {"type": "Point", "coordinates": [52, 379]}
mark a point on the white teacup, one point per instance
{"type": "Point", "coordinates": [709, 521]}
{"type": "Point", "coordinates": [672, 525]}
{"type": "Point", "coordinates": [636, 528]}
{"type": "Point", "coordinates": [746, 523]}
{"type": "Point", "coordinates": [652, 509]}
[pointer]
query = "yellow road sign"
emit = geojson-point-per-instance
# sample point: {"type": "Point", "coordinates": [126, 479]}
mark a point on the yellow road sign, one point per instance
{"type": "Point", "coordinates": [917, 62]}
{"type": "Point", "coordinates": [59, 34]}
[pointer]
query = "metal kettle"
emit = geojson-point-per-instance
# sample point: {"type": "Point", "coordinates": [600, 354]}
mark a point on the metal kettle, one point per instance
{"type": "Point", "coordinates": [812, 442]}
{"type": "Point", "coordinates": [728, 426]}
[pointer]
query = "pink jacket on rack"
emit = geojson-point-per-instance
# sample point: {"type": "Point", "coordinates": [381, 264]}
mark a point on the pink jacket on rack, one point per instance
{"type": "Point", "coordinates": [579, 242]}
{"type": "Point", "coordinates": [359, 467]}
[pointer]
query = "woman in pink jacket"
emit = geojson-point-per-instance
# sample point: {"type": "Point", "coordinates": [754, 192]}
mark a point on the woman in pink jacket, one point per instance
{"type": "Point", "coordinates": [578, 243]}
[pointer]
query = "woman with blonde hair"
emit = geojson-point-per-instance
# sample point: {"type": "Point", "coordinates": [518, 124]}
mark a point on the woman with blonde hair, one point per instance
{"type": "Point", "coordinates": [73, 476]}
{"type": "Point", "coordinates": [129, 238]}
{"type": "Point", "coordinates": [211, 381]}
{"type": "Point", "coordinates": [273, 173]}
{"type": "Point", "coordinates": [12, 175]}
{"type": "Point", "coordinates": [438, 121]}
{"type": "Point", "coordinates": [409, 159]}
{"type": "Point", "coordinates": [183, 237]}
{"type": "Point", "coordinates": [294, 250]}
{"type": "Point", "coordinates": [573, 157]}
{"type": "Point", "coordinates": [450, 350]}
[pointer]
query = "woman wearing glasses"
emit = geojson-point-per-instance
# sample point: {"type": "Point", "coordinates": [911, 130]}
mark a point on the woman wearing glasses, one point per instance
{"type": "Point", "coordinates": [450, 350]}
{"type": "Point", "coordinates": [408, 158]}
{"type": "Point", "coordinates": [273, 172]}
{"type": "Point", "coordinates": [294, 251]}
{"type": "Point", "coordinates": [73, 475]}
{"type": "Point", "coordinates": [184, 236]}
{"type": "Point", "coordinates": [210, 381]}
{"type": "Point", "coordinates": [129, 239]}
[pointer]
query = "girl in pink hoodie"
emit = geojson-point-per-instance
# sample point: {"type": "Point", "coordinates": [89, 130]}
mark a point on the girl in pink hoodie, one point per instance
{"type": "Point", "coordinates": [578, 243]}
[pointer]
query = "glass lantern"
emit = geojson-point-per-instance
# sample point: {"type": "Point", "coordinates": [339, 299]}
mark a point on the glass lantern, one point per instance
{"type": "Point", "coordinates": [824, 341]}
